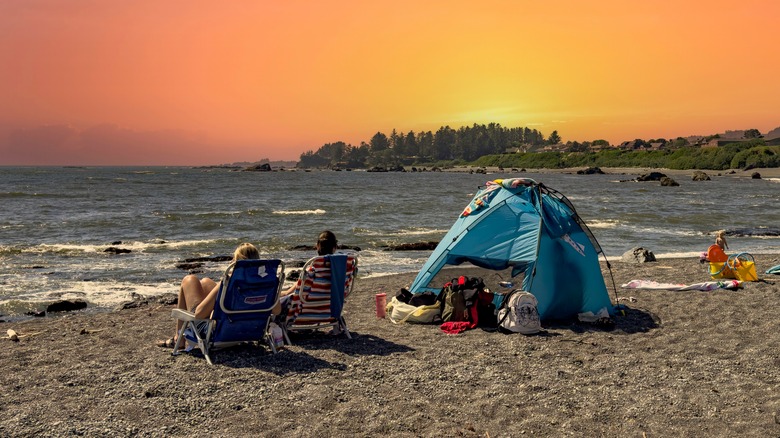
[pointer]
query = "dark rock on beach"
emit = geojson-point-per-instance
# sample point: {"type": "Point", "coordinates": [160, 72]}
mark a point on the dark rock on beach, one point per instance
{"type": "Point", "coordinates": [755, 175]}
{"type": "Point", "coordinates": [638, 255]}
{"type": "Point", "coordinates": [66, 306]}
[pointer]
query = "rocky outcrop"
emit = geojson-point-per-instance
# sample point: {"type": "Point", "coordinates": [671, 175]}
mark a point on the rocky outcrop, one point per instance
{"type": "Point", "coordinates": [755, 175]}
{"type": "Point", "coordinates": [417, 246]}
{"type": "Point", "coordinates": [652, 176]}
{"type": "Point", "coordinates": [115, 250]}
{"type": "Point", "coordinates": [66, 306]}
{"type": "Point", "coordinates": [700, 176]}
{"type": "Point", "coordinates": [591, 171]}
{"type": "Point", "coordinates": [669, 182]}
{"type": "Point", "coordinates": [265, 167]}
{"type": "Point", "coordinates": [638, 255]}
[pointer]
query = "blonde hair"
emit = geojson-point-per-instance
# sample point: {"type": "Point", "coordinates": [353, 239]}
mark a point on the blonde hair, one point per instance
{"type": "Point", "coordinates": [246, 251]}
{"type": "Point", "coordinates": [720, 233]}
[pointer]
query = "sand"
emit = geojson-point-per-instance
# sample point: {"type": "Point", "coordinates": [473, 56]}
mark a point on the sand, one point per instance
{"type": "Point", "coordinates": [676, 364]}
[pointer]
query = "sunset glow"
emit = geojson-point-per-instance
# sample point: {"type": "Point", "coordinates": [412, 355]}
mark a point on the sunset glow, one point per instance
{"type": "Point", "coordinates": [181, 82]}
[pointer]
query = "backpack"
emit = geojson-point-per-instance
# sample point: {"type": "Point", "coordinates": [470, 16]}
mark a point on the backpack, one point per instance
{"type": "Point", "coordinates": [518, 313]}
{"type": "Point", "coordinates": [486, 311]}
{"type": "Point", "coordinates": [458, 297]}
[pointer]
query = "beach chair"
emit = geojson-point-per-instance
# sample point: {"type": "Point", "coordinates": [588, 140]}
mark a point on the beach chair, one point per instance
{"type": "Point", "coordinates": [318, 301]}
{"type": "Point", "coordinates": [242, 312]}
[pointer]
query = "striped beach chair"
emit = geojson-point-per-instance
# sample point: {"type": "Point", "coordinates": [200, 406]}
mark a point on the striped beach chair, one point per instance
{"type": "Point", "coordinates": [318, 301]}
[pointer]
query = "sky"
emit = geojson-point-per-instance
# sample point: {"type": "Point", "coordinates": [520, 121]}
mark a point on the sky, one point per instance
{"type": "Point", "coordinates": [148, 82]}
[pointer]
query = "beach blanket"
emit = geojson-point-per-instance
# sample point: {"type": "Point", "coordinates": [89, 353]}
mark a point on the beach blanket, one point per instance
{"type": "Point", "coordinates": [707, 285]}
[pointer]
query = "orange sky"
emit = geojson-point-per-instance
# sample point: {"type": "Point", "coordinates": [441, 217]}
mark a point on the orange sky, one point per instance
{"type": "Point", "coordinates": [105, 82]}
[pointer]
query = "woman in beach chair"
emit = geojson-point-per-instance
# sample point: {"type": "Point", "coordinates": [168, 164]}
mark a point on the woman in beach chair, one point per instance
{"type": "Point", "coordinates": [198, 295]}
{"type": "Point", "coordinates": [317, 299]}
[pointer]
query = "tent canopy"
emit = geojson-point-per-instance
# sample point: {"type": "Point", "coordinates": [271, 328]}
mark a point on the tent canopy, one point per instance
{"type": "Point", "coordinates": [535, 230]}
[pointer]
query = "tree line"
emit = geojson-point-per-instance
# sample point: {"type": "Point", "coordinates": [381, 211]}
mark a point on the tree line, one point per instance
{"type": "Point", "coordinates": [466, 143]}
{"type": "Point", "coordinates": [495, 145]}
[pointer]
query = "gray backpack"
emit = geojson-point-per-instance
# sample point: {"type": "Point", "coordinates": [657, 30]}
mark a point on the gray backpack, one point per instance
{"type": "Point", "coordinates": [519, 314]}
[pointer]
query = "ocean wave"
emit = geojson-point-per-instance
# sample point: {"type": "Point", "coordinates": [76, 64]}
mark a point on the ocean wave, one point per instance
{"type": "Point", "coordinates": [131, 245]}
{"type": "Point", "coordinates": [602, 224]}
{"type": "Point", "coordinates": [97, 293]}
{"type": "Point", "coordinates": [301, 212]}
{"type": "Point", "coordinates": [411, 231]}
{"type": "Point", "coordinates": [10, 195]}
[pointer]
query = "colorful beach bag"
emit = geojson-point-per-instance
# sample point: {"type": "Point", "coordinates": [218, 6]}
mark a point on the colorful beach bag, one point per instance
{"type": "Point", "coordinates": [743, 266]}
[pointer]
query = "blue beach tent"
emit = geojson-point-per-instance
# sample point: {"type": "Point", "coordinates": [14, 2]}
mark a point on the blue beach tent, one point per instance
{"type": "Point", "coordinates": [535, 230]}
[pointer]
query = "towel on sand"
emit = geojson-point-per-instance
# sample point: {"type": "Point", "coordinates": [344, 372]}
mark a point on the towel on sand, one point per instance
{"type": "Point", "coordinates": [707, 285]}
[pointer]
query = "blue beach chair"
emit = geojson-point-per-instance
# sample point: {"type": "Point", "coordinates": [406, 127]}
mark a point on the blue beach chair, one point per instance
{"type": "Point", "coordinates": [318, 301]}
{"type": "Point", "coordinates": [242, 312]}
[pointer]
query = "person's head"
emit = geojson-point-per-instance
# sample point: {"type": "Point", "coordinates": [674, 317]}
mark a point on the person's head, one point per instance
{"type": "Point", "coordinates": [326, 243]}
{"type": "Point", "coordinates": [721, 234]}
{"type": "Point", "coordinates": [246, 251]}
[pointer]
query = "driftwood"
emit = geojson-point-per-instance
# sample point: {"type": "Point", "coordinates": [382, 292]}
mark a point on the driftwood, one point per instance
{"type": "Point", "coordinates": [12, 335]}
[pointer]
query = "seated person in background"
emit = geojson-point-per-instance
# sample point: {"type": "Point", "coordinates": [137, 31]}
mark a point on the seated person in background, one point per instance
{"type": "Point", "coordinates": [198, 295]}
{"type": "Point", "coordinates": [720, 240]}
{"type": "Point", "coordinates": [290, 301]}
{"type": "Point", "coordinates": [326, 244]}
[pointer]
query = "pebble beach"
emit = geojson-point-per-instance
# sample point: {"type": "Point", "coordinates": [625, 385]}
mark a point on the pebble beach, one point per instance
{"type": "Point", "coordinates": [676, 363]}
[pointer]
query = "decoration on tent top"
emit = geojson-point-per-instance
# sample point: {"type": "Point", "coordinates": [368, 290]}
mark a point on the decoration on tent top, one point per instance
{"type": "Point", "coordinates": [491, 187]}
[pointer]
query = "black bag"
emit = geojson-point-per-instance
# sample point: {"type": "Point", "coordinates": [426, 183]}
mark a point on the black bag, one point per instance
{"type": "Point", "coordinates": [403, 295]}
{"type": "Point", "coordinates": [423, 299]}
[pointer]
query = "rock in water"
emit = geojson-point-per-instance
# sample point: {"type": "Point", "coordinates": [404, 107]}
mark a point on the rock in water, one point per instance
{"type": "Point", "coordinates": [66, 306]}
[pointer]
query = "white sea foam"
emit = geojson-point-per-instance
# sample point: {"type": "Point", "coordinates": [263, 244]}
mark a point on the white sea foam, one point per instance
{"type": "Point", "coordinates": [602, 224]}
{"type": "Point", "coordinates": [133, 246]}
{"type": "Point", "coordinates": [97, 293]}
{"type": "Point", "coordinates": [412, 231]}
{"type": "Point", "coordinates": [302, 212]}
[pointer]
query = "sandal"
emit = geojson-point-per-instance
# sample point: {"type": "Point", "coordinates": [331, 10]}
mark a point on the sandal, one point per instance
{"type": "Point", "coordinates": [168, 343]}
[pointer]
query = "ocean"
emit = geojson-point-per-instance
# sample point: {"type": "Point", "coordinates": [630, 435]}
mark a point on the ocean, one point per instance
{"type": "Point", "coordinates": [56, 223]}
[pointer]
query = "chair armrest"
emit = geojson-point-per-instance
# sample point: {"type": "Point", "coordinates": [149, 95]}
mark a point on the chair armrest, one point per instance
{"type": "Point", "coordinates": [183, 315]}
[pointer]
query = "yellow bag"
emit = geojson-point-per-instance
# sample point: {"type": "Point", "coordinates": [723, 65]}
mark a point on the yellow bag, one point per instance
{"type": "Point", "coordinates": [720, 270]}
{"type": "Point", "coordinates": [399, 311]}
{"type": "Point", "coordinates": [743, 266]}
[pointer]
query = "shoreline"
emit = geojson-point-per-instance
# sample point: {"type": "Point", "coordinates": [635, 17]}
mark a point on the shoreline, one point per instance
{"type": "Point", "coordinates": [765, 172]}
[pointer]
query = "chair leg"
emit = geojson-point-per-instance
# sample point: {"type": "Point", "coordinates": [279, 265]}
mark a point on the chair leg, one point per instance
{"type": "Point", "coordinates": [343, 324]}
{"type": "Point", "coordinates": [181, 342]}
{"type": "Point", "coordinates": [286, 336]}
{"type": "Point", "coordinates": [270, 341]}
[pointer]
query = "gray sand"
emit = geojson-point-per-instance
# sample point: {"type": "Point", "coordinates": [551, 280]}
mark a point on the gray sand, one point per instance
{"type": "Point", "coordinates": [677, 364]}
